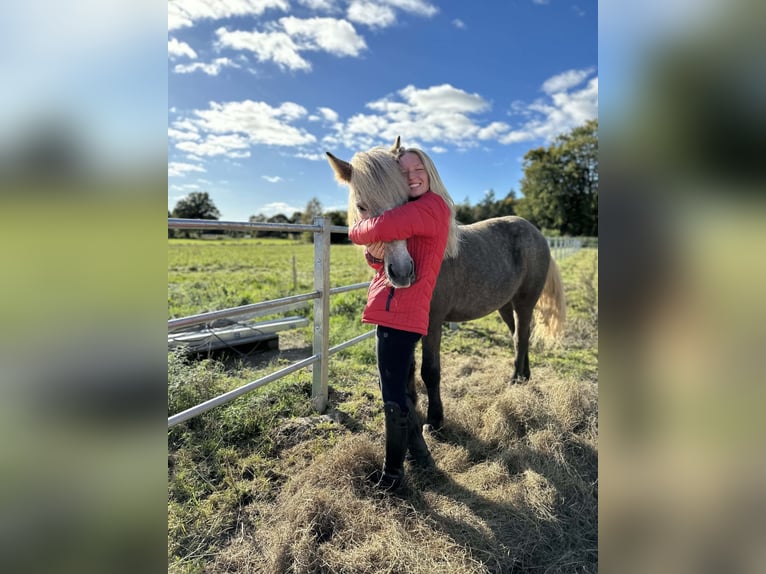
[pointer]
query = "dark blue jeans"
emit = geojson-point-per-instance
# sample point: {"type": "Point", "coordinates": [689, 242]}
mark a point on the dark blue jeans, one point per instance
{"type": "Point", "coordinates": [396, 354]}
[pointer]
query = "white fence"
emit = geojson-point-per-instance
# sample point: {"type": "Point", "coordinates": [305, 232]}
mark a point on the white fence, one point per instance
{"type": "Point", "coordinates": [564, 246]}
{"type": "Point", "coordinates": [321, 228]}
{"type": "Point", "coordinates": [321, 349]}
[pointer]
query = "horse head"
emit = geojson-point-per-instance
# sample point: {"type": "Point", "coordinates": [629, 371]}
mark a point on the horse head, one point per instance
{"type": "Point", "coordinates": [376, 185]}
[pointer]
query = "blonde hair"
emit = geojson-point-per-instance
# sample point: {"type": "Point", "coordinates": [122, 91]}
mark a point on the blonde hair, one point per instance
{"type": "Point", "coordinates": [437, 186]}
{"type": "Point", "coordinates": [376, 182]}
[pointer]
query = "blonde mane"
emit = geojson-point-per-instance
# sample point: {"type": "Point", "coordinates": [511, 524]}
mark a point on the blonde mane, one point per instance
{"type": "Point", "coordinates": [378, 185]}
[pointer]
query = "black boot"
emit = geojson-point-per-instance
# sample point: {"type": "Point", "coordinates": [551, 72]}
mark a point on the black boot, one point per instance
{"type": "Point", "coordinates": [418, 449]}
{"type": "Point", "coordinates": [392, 476]}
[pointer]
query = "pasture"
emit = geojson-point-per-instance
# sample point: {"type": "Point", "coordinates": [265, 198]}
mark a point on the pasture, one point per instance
{"type": "Point", "coordinates": [264, 484]}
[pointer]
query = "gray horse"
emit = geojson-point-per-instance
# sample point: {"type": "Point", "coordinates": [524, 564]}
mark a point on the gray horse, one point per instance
{"type": "Point", "coordinates": [501, 264]}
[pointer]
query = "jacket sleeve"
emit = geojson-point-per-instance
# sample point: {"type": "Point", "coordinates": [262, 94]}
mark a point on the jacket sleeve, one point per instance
{"type": "Point", "coordinates": [420, 217]}
{"type": "Point", "coordinates": [373, 261]}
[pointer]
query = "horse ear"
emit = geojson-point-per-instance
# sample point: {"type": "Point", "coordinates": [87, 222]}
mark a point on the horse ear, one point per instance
{"type": "Point", "coordinates": [397, 144]}
{"type": "Point", "coordinates": [341, 168]}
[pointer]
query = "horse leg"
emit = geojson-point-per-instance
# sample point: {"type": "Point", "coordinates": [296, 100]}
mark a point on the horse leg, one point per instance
{"type": "Point", "coordinates": [430, 371]}
{"type": "Point", "coordinates": [521, 370]}
{"type": "Point", "coordinates": [507, 315]}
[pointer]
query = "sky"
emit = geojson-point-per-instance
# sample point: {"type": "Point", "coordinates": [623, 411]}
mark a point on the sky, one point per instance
{"type": "Point", "coordinates": [258, 90]}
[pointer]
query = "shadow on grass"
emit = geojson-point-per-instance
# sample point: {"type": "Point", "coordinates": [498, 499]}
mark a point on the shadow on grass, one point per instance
{"type": "Point", "coordinates": [519, 535]}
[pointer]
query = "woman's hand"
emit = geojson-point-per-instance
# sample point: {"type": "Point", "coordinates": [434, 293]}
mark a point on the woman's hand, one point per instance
{"type": "Point", "coordinates": [377, 250]}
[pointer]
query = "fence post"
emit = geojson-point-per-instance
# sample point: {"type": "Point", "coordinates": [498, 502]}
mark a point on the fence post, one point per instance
{"type": "Point", "coordinates": [319, 390]}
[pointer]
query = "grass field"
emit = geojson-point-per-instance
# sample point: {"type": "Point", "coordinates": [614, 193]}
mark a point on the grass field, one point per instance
{"type": "Point", "coordinates": [264, 484]}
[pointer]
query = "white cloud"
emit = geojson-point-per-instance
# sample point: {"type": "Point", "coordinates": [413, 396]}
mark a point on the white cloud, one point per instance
{"type": "Point", "coordinates": [336, 37]}
{"type": "Point", "coordinates": [184, 13]}
{"type": "Point", "coordinates": [370, 14]}
{"type": "Point", "coordinates": [275, 207]}
{"type": "Point", "coordinates": [311, 156]}
{"type": "Point", "coordinates": [438, 113]}
{"type": "Point", "coordinates": [541, 2]}
{"type": "Point", "coordinates": [492, 131]}
{"type": "Point", "coordinates": [277, 47]}
{"type": "Point", "coordinates": [445, 114]}
{"type": "Point", "coordinates": [458, 23]}
{"type": "Point", "coordinates": [176, 134]}
{"type": "Point", "coordinates": [272, 178]}
{"type": "Point", "coordinates": [290, 36]}
{"type": "Point", "coordinates": [213, 145]}
{"type": "Point", "coordinates": [566, 80]}
{"type": "Point", "coordinates": [177, 49]}
{"type": "Point", "coordinates": [443, 98]}
{"type": "Point", "coordinates": [319, 5]}
{"type": "Point", "coordinates": [565, 111]}
{"type": "Point", "coordinates": [328, 114]}
{"type": "Point", "coordinates": [382, 13]}
{"type": "Point", "coordinates": [176, 169]}
{"type": "Point", "coordinates": [230, 129]}
{"type": "Point", "coordinates": [211, 69]}
{"type": "Point", "coordinates": [419, 7]}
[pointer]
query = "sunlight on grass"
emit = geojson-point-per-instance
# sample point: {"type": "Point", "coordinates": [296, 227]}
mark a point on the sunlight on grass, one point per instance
{"type": "Point", "coordinates": [264, 483]}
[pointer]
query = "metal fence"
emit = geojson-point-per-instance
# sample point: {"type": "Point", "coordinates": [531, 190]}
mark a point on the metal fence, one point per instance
{"type": "Point", "coordinates": [321, 228]}
{"type": "Point", "coordinates": [564, 246]}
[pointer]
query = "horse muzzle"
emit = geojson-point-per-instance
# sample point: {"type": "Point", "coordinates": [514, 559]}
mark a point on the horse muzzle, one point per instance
{"type": "Point", "coordinates": [399, 266]}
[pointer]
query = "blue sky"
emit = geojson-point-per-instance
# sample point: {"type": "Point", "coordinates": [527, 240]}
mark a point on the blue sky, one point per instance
{"type": "Point", "coordinates": [258, 90]}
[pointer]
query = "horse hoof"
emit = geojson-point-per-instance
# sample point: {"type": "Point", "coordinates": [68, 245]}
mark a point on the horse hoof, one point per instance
{"type": "Point", "coordinates": [432, 430]}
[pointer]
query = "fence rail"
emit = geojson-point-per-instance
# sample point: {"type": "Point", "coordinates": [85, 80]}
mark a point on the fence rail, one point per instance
{"type": "Point", "coordinates": [321, 349]}
{"type": "Point", "coordinates": [321, 228]}
{"type": "Point", "coordinates": [564, 246]}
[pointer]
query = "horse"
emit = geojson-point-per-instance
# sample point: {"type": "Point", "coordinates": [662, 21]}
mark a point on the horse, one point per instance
{"type": "Point", "coordinates": [500, 264]}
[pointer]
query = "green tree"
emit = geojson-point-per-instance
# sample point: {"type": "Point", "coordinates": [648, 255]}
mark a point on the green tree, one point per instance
{"type": "Point", "coordinates": [338, 218]}
{"type": "Point", "coordinates": [278, 218]}
{"type": "Point", "coordinates": [464, 212]}
{"type": "Point", "coordinates": [507, 205]}
{"type": "Point", "coordinates": [258, 218]}
{"type": "Point", "coordinates": [296, 217]}
{"type": "Point", "coordinates": [486, 207]}
{"type": "Point", "coordinates": [313, 209]}
{"type": "Point", "coordinates": [560, 183]}
{"type": "Point", "coordinates": [196, 205]}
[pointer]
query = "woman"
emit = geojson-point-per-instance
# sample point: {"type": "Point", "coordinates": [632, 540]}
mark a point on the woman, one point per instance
{"type": "Point", "coordinates": [401, 315]}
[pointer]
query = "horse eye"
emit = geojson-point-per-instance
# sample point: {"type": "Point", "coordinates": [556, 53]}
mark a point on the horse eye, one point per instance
{"type": "Point", "coordinates": [360, 208]}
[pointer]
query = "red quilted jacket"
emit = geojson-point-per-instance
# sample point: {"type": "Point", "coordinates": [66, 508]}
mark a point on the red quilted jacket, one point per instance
{"type": "Point", "coordinates": [425, 223]}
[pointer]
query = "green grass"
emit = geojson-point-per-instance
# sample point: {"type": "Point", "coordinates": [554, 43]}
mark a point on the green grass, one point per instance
{"type": "Point", "coordinates": [236, 472]}
{"type": "Point", "coordinates": [211, 275]}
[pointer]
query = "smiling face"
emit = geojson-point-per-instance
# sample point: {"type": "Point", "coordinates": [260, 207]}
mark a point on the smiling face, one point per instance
{"type": "Point", "coordinates": [416, 174]}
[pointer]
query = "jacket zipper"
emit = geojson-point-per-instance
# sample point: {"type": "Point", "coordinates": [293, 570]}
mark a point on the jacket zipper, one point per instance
{"type": "Point", "coordinates": [388, 301]}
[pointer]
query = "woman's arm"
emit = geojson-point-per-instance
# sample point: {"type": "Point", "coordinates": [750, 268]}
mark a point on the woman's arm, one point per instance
{"type": "Point", "coordinates": [423, 217]}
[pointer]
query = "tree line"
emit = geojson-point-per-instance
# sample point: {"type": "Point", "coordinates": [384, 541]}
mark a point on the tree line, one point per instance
{"type": "Point", "coordinates": [559, 194]}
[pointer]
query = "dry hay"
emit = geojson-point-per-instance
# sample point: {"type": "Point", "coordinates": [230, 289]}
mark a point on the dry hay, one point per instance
{"type": "Point", "coordinates": [514, 491]}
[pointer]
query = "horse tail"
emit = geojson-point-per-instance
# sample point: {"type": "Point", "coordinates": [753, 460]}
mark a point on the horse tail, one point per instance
{"type": "Point", "coordinates": [551, 306]}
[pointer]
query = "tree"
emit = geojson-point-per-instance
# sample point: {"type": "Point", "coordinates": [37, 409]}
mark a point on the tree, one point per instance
{"type": "Point", "coordinates": [313, 209]}
{"type": "Point", "coordinates": [337, 218]}
{"type": "Point", "coordinates": [560, 183]}
{"type": "Point", "coordinates": [278, 218]}
{"type": "Point", "coordinates": [258, 218]}
{"type": "Point", "coordinates": [296, 217]}
{"type": "Point", "coordinates": [196, 205]}
{"type": "Point", "coordinates": [507, 205]}
{"type": "Point", "coordinates": [464, 213]}
{"type": "Point", "coordinates": [486, 207]}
